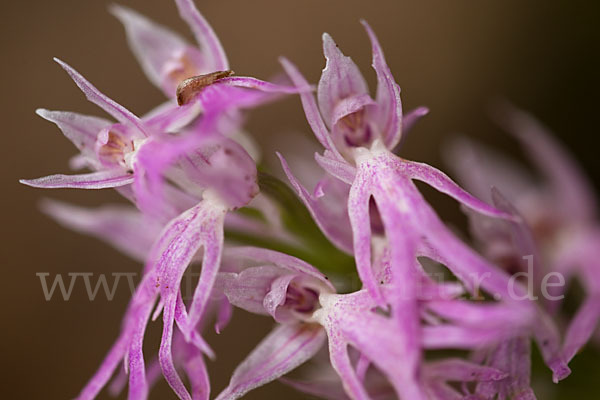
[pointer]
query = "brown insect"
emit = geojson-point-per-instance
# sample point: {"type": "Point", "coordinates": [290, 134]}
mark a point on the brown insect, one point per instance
{"type": "Point", "coordinates": [188, 88]}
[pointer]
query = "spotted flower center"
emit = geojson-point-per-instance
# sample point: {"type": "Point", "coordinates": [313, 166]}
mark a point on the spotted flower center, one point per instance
{"type": "Point", "coordinates": [115, 150]}
{"type": "Point", "coordinates": [303, 300]}
{"type": "Point", "coordinates": [356, 132]}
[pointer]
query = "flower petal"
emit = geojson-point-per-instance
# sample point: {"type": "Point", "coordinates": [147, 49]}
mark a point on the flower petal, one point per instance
{"type": "Point", "coordinates": [582, 327]}
{"type": "Point", "coordinates": [138, 311]}
{"type": "Point", "coordinates": [389, 107]}
{"type": "Point", "coordinates": [263, 86]}
{"type": "Point", "coordinates": [349, 105]}
{"type": "Point", "coordinates": [281, 260]}
{"type": "Point", "coordinates": [125, 228]}
{"type": "Point", "coordinates": [284, 349]}
{"type": "Point", "coordinates": [152, 44]}
{"type": "Point", "coordinates": [94, 180]}
{"type": "Point", "coordinates": [331, 218]}
{"type": "Point", "coordinates": [172, 118]}
{"type": "Point", "coordinates": [311, 109]}
{"type": "Point", "coordinates": [247, 289]}
{"type": "Point", "coordinates": [514, 357]}
{"type": "Point", "coordinates": [209, 42]}
{"type": "Point", "coordinates": [466, 338]}
{"type": "Point", "coordinates": [224, 313]}
{"type": "Point", "coordinates": [358, 211]}
{"type": "Point", "coordinates": [456, 369]}
{"type": "Point", "coordinates": [340, 169]}
{"type": "Point", "coordinates": [340, 361]}
{"type": "Point", "coordinates": [383, 340]}
{"type": "Point", "coordinates": [171, 255]}
{"type": "Point", "coordinates": [211, 234]}
{"type": "Point", "coordinates": [340, 79]}
{"type": "Point", "coordinates": [195, 369]}
{"type": "Point", "coordinates": [119, 112]}
{"type": "Point", "coordinates": [441, 182]}
{"type": "Point", "coordinates": [80, 129]}
{"type": "Point", "coordinates": [470, 313]}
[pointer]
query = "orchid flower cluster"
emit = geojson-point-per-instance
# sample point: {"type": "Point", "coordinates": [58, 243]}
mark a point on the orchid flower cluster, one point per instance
{"type": "Point", "coordinates": [190, 171]}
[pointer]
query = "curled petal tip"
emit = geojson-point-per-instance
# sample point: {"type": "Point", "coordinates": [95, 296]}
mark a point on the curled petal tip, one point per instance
{"type": "Point", "coordinates": [560, 370]}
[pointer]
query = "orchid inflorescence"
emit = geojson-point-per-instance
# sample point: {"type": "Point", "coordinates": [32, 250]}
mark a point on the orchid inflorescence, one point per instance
{"type": "Point", "coordinates": [190, 170]}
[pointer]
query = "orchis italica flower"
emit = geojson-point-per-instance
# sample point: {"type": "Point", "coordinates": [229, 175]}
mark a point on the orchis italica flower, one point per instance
{"type": "Point", "coordinates": [560, 213]}
{"type": "Point", "coordinates": [109, 148]}
{"type": "Point", "coordinates": [307, 308]}
{"type": "Point", "coordinates": [358, 134]}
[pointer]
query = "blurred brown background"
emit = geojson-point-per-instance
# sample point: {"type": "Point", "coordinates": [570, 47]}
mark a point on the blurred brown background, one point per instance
{"type": "Point", "coordinates": [451, 55]}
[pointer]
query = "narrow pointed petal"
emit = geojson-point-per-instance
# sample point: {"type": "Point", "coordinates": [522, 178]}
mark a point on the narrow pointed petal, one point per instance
{"type": "Point", "coordinates": [514, 357]}
{"type": "Point", "coordinates": [165, 354]}
{"type": "Point", "coordinates": [138, 311]}
{"type": "Point", "coordinates": [281, 260]}
{"type": "Point", "coordinates": [358, 211]}
{"type": "Point", "coordinates": [263, 86]}
{"type": "Point", "coordinates": [340, 361]}
{"type": "Point", "coordinates": [193, 338]}
{"type": "Point", "coordinates": [341, 79]}
{"type": "Point", "coordinates": [195, 369]}
{"type": "Point", "coordinates": [313, 115]}
{"type": "Point", "coordinates": [125, 228]}
{"type": "Point", "coordinates": [403, 300]}
{"type": "Point", "coordinates": [224, 313]}
{"type": "Point", "coordinates": [277, 297]}
{"type": "Point", "coordinates": [441, 182]}
{"type": "Point", "coordinates": [284, 349]}
{"type": "Point", "coordinates": [340, 169]}
{"type": "Point", "coordinates": [471, 313]}
{"type": "Point", "coordinates": [472, 270]}
{"type": "Point", "coordinates": [466, 338]}
{"type": "Point", "coordinates": [119, 112]}
{"type": "Point", "coordinates": [80, 129]}
{"type": "Point", "coordinates": [383, 340]}
{"type": "Point", "coordinates": [171, 255]}
{"type": "Point", "coordinates": [456, 369]}
{"type": "Point", "coordinates": [138, 383]}
{"type": "Point", "coordinates": [206, 37]}
{"type": "Point", "coordinates": [389, 107]}
{"type": "Point", "coordinates": [547, 337]}
{"type": "Point", "coordinates": [152, 44]}
{"type": "Point", "coordinates": [93, 180]}
{"type": "Point", "coordinates": [173, 118]}
{"type": "Point", "coordinates": [105, 371]}
{"type": "Point", "coordinates": [247, 289]}
{"type": "Point", "coordinates": [211, 235]}
{"type": "Point", "coordinates": [335, 225]}
{"type": "Point", "coordinates": [582, 327]}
